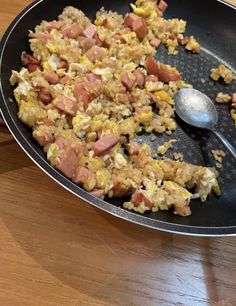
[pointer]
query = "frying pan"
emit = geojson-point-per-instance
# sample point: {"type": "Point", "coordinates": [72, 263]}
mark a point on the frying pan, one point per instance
{"type": "Point", "coordinates": [213, 23]}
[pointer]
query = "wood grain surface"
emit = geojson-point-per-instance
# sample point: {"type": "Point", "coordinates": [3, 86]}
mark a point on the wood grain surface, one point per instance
{"type": "Point", "coordinates": [57, 250]}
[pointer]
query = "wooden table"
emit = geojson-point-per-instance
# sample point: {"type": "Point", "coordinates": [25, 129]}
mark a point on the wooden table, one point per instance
{"type": "Point", "coordinates": [57, 250]}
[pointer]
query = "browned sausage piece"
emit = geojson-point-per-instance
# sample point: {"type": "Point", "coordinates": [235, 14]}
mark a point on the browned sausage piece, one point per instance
{"type": "Point", "coordinates": [45, 96]}
{"type": "Point", "coordinates": [72, 31]}
{"type": "Point", "coordinates": [27, 59]}
{"type": "Point", "coordinates": [51, 76]}
{"type": "Point", "coordinates": [138, 197]}
{"type": "Point", "coordinates": [104, 144]}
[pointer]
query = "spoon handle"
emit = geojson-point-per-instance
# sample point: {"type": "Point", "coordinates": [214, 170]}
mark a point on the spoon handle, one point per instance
{"type": "Point", "coordinates": [226, 143]}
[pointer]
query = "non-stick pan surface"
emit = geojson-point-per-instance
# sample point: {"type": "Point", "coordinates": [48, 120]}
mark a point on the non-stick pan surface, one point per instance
{"type": "Point", "coordinates": [214, 25]}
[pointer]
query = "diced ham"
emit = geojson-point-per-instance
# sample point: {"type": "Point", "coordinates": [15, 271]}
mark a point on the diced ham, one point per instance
{"type": "Point", "coordinates": [62, 64]}
{"type": "Point", "coordinates": [95, 53]}
{"type": "Point", "coordinates": [66, 143]}
{"type": "Point", "coordinates": [51, 76]}
{"type": "Point", "coordinates": [54, 25]}
{"type": "Point", "coordinates": [66, 105]}
{"type": "Point", "coordinates": [155, 42]}
{"type": "Point", "coordinates": [45, 121]}
{"type": "Point", "coordinates": [27, 59]}
{"type": "Point", "coordinates": [105, 45]}
{"type": "Point", "coordinates": [119, 189]}
{"type": "Point", "coordinates": [120, 87]}
{"type": "Point", "coordinates": [67, 162]}
{"type": "Point", "coordinates": [153, 98]}
{"type": "Point", "coordinates": [92, 77]}
{"type": "Point", "coordinates": [119, 37]}
{"type": "Point", "coordinates": [44, 37]}
{"type": "Point", "coordinates": [172, 36]}
{"type": "Point", "coordinates": [133, 147]}
{"type": "Point", "coordinates": [41, 36]}
{"type": "Point", "coordinates": [87, 43]}
{"type": "Point", "coordinates": [105, 24]}
{"type": "Point", "coordinates": [44, 139]}
{"type": "Point", "coordinates": [43, 135]}
{"type": "Point", "coordinates": [72, 31]}
{"type": "Point", "coordinates": [80, 38]}
{"type": "Point", "coordinates": [45, 96]}
{"type": "Point", "coordinates": [233, 100]}
{"type": "Point", "coordinates": [79, 148]}
{"type": "Point", "coordinates": [163, 72]}
{"type": "Point", "coordinates": [130, 19]}
{"type": "Point", "coordinates": [167, 74]}
{"type": "Point", "coordinates": [90, 31]}
{"type": "Point", "coordinates": [30, 62]}
{"type": "Point", "coordinates": [98, 193]}
{"type": "Point", "coordinates": [140, 28]}
{"type": "Point", "coordinates": [152, 66]}
{"type": "Point", "coordinates": [162, 6]}
{"type": "Point", "coordinates": [33, 67]}
{"type": "Point", "coordinates": [159, 12]}
{"type": "Point", "coordinates": [127, 29]}
{"type": "Point", "coordinates": [65, 79]}
{"type": "Point", "coordinates": [234, 97]}
{"type": "Point", "coordinates": [122, 97]}
{"type": "Point", "coordinates": [151, 78]}
{"type": "Point", "coordinates": [97, 39]}
{"type": "Point", "coordinates": [140, 78]}
{"type": "Point", "coordinates": [61, 142]}
{"type": "Point", "coordinates": [137, 24]}
{"type": "Point", "coordinates": [104, 144]}
{"type": "Point", "coordinates": [127, 82]}
{"type": "Point", "coordinates": [82, 175]}
{"type": "Point", "coordinates": [138, 197]}
{"type": "Point", "coordinates": [93, 83]}
{"type": "Point", "coordinates": [82, 95]}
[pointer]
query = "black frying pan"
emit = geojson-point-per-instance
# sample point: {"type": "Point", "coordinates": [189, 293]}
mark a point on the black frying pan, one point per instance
{"type": "Point", "coordinates": [214, 24]}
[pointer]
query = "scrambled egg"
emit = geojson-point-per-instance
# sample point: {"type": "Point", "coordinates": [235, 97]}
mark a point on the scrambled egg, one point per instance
{"type": "Point", "coordinates": [30, 113]}
{"type": "Point", "coordinates": [104, 180]}
{"type": "Point", "coordinates": [144, 11]}
{"type": "Point", "coordinates": [81, 124]}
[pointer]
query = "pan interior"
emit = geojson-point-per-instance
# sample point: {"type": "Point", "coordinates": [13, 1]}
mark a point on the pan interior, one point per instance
{"type": "Point", "coordinates": [216, 34]}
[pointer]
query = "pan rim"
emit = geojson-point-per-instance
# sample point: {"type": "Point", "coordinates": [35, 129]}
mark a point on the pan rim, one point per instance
{"type": "Point", "coordinates": [79, 192]}
{"type": "Point", "coordinates": [227, 4]}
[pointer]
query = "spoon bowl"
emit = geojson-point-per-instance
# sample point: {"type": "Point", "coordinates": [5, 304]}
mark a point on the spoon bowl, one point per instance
{"type": "Point", "coordinates": [197, 109]}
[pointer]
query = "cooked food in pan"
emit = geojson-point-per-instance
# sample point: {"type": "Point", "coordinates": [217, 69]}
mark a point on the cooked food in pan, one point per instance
{"type": "Point", "coordinates": [88, 88]}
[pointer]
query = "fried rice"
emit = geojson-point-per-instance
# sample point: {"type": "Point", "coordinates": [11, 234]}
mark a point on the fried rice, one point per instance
{"type": "Point", "coordinates": [88, 89]}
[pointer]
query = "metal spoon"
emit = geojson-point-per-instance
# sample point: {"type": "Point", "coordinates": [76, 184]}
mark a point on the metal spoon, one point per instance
{"type": "Point", "coordinates": [198, 110]}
